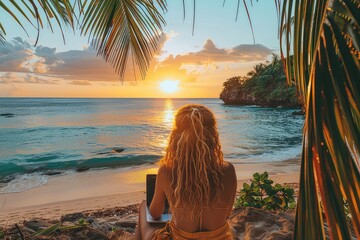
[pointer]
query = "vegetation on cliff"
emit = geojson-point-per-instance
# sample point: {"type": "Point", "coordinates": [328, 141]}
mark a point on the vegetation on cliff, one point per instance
{"type": "Point", "coordinates": [265, 85]}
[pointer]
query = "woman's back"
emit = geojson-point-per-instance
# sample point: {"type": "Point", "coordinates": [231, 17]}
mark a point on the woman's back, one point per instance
{"type": "Point", "coordinates": [212, 217]}
{"type": "Point", "coordinates": [194, 177]}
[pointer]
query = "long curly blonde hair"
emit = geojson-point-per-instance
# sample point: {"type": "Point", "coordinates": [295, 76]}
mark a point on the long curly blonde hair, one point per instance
{"type": "Point", "coordinates": [195, 158]}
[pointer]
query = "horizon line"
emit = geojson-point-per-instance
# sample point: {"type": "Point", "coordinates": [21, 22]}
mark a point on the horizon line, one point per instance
{"type": "Point", "coordinates": [115, 97]}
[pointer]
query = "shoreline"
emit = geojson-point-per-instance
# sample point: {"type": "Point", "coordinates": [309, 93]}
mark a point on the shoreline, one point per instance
{"type": "Point", "coordinates": [108, 188]}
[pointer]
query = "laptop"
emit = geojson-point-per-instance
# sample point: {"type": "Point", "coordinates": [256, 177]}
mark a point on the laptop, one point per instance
{"type": "Point", "coordinates": [150, 190]}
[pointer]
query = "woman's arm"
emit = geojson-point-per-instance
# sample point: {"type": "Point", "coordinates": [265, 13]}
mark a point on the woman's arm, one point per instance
{"type": "Point", "coordinates": [157, 205]}
{"type": "Point", "coordinates": [233, 186]}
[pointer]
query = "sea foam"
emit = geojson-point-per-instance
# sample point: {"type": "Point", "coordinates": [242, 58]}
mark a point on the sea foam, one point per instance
{"type": "Point", "coordinates": [24, 182]}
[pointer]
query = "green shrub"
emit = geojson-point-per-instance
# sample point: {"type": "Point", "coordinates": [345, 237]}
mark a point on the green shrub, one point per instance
{"type": "Point", "coordinates": [262, 194]}
{"type": "Point", "coordinates": [82, 222]}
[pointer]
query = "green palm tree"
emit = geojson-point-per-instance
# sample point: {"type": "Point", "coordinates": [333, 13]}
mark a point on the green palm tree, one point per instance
{"type": "Point", "coordinates": [321, 36]}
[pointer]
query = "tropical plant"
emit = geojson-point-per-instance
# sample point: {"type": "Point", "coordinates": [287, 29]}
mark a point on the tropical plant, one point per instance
{"type": "Point", "coordinates": [234, 82]}
{"type": "Point", "coordinates": [82, 221]}
{"type": "Point", "coordinates": [262, 194]}
{"type": "Point", "coordinates": [265, 85]}
{"type": "Point", "coordinates": [324, 41]}
{"type": "Point", "coordinates": [323, 37]}
{"type": "Point", "coordinates": [256, 69]}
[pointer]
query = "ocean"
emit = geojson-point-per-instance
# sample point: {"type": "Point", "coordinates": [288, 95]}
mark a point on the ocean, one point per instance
{"type": "Point", "coordinates": [41, 136]}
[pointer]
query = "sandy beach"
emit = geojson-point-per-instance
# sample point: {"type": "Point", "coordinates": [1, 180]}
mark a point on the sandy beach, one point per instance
{"type": "Point", "coordinates": [107, 188]}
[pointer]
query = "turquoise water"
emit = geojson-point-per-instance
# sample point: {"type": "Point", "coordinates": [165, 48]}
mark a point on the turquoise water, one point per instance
{"type": "Point", "coordinates": [64, 134]}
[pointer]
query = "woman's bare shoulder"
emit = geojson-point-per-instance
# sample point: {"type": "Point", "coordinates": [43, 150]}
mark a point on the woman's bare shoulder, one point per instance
{"type": "Point", "coordinates": [229, 172]}
{"type": "Point", "coordinates": [228, 167]}
{"type": "Point", "coordinates": [164, 173]}
{"type": "Point", "coordinates": [164, 177]}
{"type": "Point", "coordinates": [163, 170]}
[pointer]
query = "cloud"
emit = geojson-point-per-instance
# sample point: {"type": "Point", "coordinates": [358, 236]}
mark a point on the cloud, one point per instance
{"type": "Point", "coordinates": [211, 54]}
{"type": "Point", "coordinates": [190, 65]}
{"type": "Point", "coordinates": [20, 57]}
{"type": "Point", "coordinates": [80, 82]}
{"type": "Point", "coordinates": [48, 54]}
{"type": "Point", "coordinates": [13, 54]}
{"type": "Point", "coordinates": [10, 78]}
{"type": "Point", "coordinates": [82, 67]}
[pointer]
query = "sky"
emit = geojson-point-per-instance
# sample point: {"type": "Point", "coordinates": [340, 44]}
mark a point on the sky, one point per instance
{"type": "Point", "coordinates": [197, 64]}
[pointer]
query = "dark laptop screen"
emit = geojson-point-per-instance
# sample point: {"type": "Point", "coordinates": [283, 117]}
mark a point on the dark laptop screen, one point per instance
{"type": "Point", "coordinates": [150, 190]}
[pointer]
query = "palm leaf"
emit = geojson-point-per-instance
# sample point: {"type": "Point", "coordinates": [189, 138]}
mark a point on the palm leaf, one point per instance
{"type": "Point", "coordinates": [237, 14]}
{"type": "Point", "coordinates": [324, 41]}
{"type": "Point", "coordinates": [41, 12]}
{"type": "Point", "coordinates": [125, 28]}
{"type": "Point", "coordinates": [120, 29]}
{"type": "Point", "coordinates": [2, 33]}
{"type": "Point", "coordinates": [12, 14]}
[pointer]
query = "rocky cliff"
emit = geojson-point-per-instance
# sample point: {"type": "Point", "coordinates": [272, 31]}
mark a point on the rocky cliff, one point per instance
{"type": "Point", "coordinates": [241, 97]}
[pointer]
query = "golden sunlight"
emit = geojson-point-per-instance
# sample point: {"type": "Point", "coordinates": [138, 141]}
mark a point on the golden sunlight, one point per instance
{"type": "Point", "coordinates": [169, 86]}
{"type": "Point", "coordinates": [169, 114]}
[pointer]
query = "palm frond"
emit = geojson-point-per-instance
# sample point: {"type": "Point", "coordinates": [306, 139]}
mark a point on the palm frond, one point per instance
{"type": "Point", "coordinates": [324, 41]}
{"type": "Point", "coordinates": [2, 34]}
{"type": "Point", "coordinates": [13, 15]}
{"type": "Point", "coordinates": [2, 38]}
{"type": "Point", "coordinates": [40, 12]}
{"type": "Point", "coordinates": [194, 11]}
{"type": "Point", "coordinates": [247, 13]}
{"type": "Point", "coordinates": [122, 29]}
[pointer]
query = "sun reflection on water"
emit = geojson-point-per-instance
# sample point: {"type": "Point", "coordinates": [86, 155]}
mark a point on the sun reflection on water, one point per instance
{"type": "Point", "coordinates": [167, 119]}
{"type": "Point", "coordinates": [168, 114]}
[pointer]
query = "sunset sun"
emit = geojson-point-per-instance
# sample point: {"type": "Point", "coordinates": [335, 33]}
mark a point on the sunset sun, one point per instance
{"type": "Point", "coordinates": [169, 86]}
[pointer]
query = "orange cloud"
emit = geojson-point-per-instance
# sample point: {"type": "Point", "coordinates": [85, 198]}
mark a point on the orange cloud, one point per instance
{"type": "Point", "coordinates": [210, 57]}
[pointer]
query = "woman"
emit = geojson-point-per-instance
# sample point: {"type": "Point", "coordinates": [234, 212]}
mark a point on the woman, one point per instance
{"type": "Point", "coordinates": [199, 185]}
